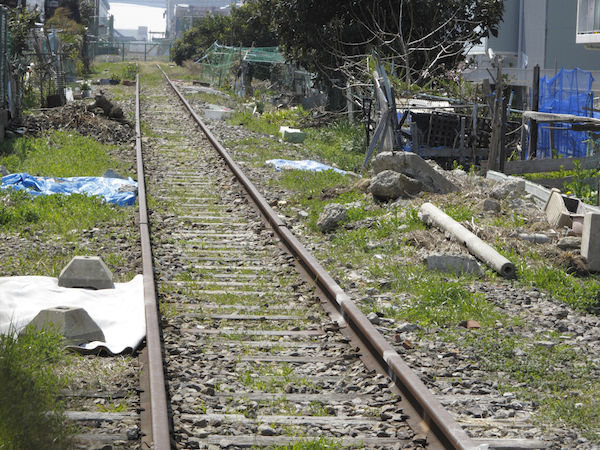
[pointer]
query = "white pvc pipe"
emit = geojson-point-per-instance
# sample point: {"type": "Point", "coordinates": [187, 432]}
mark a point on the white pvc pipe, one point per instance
{"type": "Point", "coordinates": [432, 215]}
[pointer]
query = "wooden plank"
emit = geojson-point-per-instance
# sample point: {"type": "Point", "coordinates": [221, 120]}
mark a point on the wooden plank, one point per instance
{"type": "Point", "coordinates": [550, 165]}
{"type": "Point", "coordinates": [267, 441]}
{"type": "Point", "coordinates": [282, 420]}
{"type": "Point", "coordinates": [449, 152]}
{"type": "Point", "coordinates": [100, 416]}
{"type": "Point", "coordinates": [91, 438]}
{"type": "Point", "coordinates": [258, 332]}
{"type": "Point", "coordinates": [321, 397]}
{"type": "Point", "coordinates": [87, 393]}
{"type": "Point", "coordinates": [559, 183]}
{"type": "Point", "coordinates": [254, 317]}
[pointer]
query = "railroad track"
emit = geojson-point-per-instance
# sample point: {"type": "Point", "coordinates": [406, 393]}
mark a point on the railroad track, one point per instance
{"type": "Point", "coordinates": [260, 346]}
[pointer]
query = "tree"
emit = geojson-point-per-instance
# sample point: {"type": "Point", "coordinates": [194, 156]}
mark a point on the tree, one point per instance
{"type": "Point", "coordinates": [248, 25]}
{"type": "Point", "coordinates": [420, 37]}
{"type": "Point", "coordinates": [21, 23]}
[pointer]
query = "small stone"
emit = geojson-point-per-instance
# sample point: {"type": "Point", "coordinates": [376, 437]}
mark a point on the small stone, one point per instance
{"type": "Point", "coordinates": [491, 205]}
{"type": "Point", "coordinates": [473, 324]}
{"type": "Point", "coordinates": [266, 430]}
{"type": "Point", "coordinates": [224, 443]}
{"type": "Point", "coordinates": [420, 439]}
{"type": "Point", "coordinates": [194, 442]}
{"type": "Point", "coordinates": [132, 433]}
{"type": "Point", "coordinates": [333, 214]}
{"type": "Point", "coordinates": [373, 318]}
{"type": "Point", "coordinates": [569, 243]}
{"type": "Point", "coordinates": [407, 327]}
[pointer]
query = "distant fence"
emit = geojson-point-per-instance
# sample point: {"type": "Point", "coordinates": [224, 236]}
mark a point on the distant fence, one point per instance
{"type": "Point", "coordinates": [137, 50]}
{"type": "Point", "coordinates": [3, 58]}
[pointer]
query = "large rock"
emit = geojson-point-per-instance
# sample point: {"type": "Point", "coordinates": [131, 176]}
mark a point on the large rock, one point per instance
{"type": "Point", "coordinates": [390, 185]}
{"type": "Point", "coordinates": [332, 215]}
{"type": "Point", "coordinates": [412, 165]}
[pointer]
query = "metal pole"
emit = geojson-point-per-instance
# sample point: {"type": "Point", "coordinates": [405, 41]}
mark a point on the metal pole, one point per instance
{"type": "Point", "coordinates": [535, 104]}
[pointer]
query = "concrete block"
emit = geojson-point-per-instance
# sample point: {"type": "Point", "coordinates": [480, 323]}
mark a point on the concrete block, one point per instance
{"type": "Point", "coordinates": [86, 272]}
{"type": "Point", "coordinates": [75, 324]}
{"type": "Point", "coordinates": [217, 113]}
{"type": "Point", "coordinates": [292, 135]}
{"type": "Point", "coordinates": [590, 241]}
{"type": "Point", "coordinates": [561, 209]}
{"type": "Point", "coordinates": [457, 264]}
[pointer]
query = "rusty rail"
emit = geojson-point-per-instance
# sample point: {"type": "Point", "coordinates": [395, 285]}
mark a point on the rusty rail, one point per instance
{"type": "Point", "coordinates": [155, 419]}
{"type": "Point", "coordinates": [427, 415]}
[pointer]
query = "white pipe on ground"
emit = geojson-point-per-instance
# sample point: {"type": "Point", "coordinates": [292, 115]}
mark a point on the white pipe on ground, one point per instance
{"type": "Point", "coordinates": [432, 215]}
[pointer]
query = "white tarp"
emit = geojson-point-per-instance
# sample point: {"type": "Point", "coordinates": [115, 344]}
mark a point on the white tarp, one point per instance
{"type": "Point", "coordinates": [119, 312]}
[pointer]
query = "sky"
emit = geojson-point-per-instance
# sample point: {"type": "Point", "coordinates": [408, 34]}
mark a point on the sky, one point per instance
{"type": "Point", "coordinates": [130, 17]}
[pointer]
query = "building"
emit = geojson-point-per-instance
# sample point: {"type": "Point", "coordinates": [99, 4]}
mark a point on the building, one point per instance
{"type": "Point", "coordinates": [180, 15]}
{"type": "Point", "coordinates": [544, 32]}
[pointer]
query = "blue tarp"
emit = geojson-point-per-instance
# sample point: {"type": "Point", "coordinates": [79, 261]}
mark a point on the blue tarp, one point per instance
{"type": "Point", "coordinates": [107, 188]}
{"type": "Point", "coordinates": [306, 164]}
{"type": "Point", "coordinates": [568, 92]}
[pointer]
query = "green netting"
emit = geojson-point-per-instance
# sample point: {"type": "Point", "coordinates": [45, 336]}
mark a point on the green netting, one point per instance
{"type": "Point", "coordinates": [221, 63]}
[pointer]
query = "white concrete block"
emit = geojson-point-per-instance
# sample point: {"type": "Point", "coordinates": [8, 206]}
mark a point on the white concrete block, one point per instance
{"type": "Point", "coordinates": [590, 241]}
{"type": "Point", "coordinates": [218, 113]}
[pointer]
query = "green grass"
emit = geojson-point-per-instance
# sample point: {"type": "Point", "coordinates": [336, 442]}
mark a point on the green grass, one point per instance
{"type": "Point", "coordinates": [436, 299]}
{"type": "Point", "coordinates": [319, 443]}
{"type": "Point", "coordinates": [557, 377]}
{"type": "Point", "coordinates": [534, 271]}
{"type": "Point", "coordinates": [56, 214]}
{"type": "Point", "coordinates": [59, 154]}
{"type": "Point", "coordinates": [31, 413]}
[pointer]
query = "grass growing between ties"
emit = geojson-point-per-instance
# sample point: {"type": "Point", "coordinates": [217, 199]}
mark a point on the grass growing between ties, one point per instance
{"type": "Point", "coordinates": [319, 443]}
{"type": "Point", "coordinates": [554, 376]}
{"type": "Point", "coordinates": [31, 414]}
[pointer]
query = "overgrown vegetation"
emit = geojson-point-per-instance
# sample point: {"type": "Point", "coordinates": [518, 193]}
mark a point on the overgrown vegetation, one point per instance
{"type": "Point", "coordinates": [58, 154]}
{"type": "Point", "coordinates": [31, 412]}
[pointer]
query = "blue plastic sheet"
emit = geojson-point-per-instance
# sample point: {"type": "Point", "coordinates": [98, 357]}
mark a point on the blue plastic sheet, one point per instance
{"type": "Point", "coordinates": [568, 92]}
{"type": "Point", "coordinates": [107, 188]}
{"type": "Point", "coordinates": [306, 164]}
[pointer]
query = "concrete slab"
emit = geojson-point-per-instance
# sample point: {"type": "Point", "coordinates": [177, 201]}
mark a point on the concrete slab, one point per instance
{"type": "Point", "coordinates": [590, 241]}
{"type": "Point", "coordinates": [75, 324]}
{"type": "Point", "coordinates": [86, 272]}
{"type": "Point", "coordinates": [217, 113]}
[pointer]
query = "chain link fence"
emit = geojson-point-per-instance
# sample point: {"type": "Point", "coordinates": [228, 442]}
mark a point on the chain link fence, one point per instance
{"type": "Point", "coordinates": [130, 51]}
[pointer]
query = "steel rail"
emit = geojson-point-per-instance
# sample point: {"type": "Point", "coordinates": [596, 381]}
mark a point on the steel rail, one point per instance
{"type": "Point", "coordinates": [441, 430]}
{"type": "Point", "coordinates": [156, 428]}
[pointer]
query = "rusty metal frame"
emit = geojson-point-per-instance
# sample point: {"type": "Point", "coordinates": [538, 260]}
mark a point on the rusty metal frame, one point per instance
{"type": "Point", "coordinates": [427, 415]}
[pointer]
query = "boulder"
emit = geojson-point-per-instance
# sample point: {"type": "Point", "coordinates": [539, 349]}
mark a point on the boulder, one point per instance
{"type": "Point", "coordinates": [413, 166]}
{"type": "Point", "coordinates": [330, 218]}
{"type": "Point", "coordinates": [511, 187]}
{"type": "Point", "coordinates": [390, 185]}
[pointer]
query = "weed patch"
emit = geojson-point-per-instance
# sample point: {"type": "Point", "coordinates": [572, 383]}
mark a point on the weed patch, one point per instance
{"type": "Point", "coordinates": [31, 414]}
